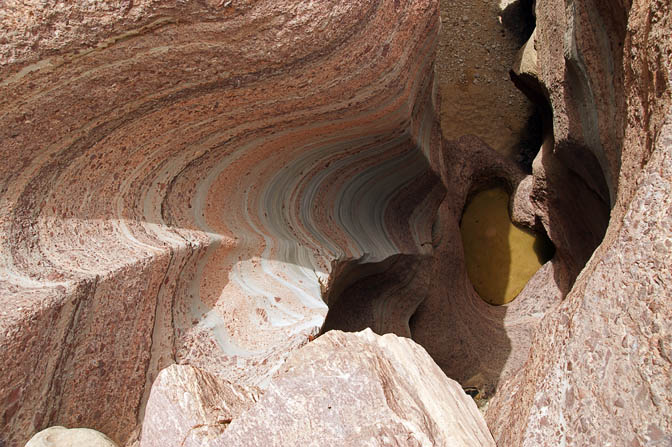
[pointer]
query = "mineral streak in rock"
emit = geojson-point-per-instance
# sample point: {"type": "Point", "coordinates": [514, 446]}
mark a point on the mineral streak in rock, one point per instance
{"type": "Point", "coordinates": [178, 179]}
{"type": "Point", "coordinates": [197, 183]}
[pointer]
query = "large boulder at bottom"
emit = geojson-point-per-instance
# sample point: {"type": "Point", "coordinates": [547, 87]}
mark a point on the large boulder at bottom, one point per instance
{"type": "Point", "coordinates": [74, 437]}
{"type": "Point", "coordinates": [360, 389]}
{"type": "Point", "coordinates": [190, 407]}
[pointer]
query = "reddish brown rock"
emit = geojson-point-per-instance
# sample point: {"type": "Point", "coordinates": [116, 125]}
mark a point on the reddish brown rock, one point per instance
{"type": "Point", "coordinates": [179, 178]}
{"type": "Point", "coordinates": [599, 371]}
{"type": "Point", "coordinates": [195, 182]}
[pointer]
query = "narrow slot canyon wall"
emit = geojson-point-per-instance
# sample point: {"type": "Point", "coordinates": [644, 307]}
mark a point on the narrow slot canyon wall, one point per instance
{"type": "Point", "coordinates": [216, 184]}
{"type": "Point", "coordinates": [178, 180]}
{"type": "Point", "coordinates": [599, 369]}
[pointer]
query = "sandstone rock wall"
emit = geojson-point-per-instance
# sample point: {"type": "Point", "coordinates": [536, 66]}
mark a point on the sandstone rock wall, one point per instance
{"type": "Point", "coordinates": [196, 183]}
{"type": "Point", "coordinates": [599, 370]}
{"type": "Point", "coordinates": [178, 179]}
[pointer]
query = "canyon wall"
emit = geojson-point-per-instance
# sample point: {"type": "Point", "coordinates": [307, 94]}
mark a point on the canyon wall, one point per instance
{"type": "Point", "coordinates": [599, 371]}
{"type": "Point", "coordinates": [178, 179]}
{"type": "Point", "coordinates": [214, 184]}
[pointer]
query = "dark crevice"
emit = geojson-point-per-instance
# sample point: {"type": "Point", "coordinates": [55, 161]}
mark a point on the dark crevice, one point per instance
{"type": "Point", "coordinates": [532, 138]}
{"type": "Point", "coordinates": [382, 296]}
{"type": "Point", "coordinates": [518, 18]}
{"type": "Point", "coordinates": [412, 322]}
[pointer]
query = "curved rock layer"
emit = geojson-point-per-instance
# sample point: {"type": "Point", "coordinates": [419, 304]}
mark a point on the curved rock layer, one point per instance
{"type": "Point", "coordinates": [179, 178]}
{"type": "Point", "coordinates": [431, 299]}
{"type": "Point", "coordinates": [195, 182]}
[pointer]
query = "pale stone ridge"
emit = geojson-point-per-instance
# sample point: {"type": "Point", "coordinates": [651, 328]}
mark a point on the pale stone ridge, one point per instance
{"type": "Point", "coordinates": [73, 437]}
{"type": "Point", "coordinates": [190, 407]}
{"type": "Point", "coordinates": [361, 389]}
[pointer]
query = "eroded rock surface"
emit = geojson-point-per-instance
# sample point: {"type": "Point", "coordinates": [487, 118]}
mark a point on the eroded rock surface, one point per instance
{"type": "Point", "coordinates": [361, 389]}
{"type": "Point", "coordinates": [179, 178]}
{"type": "Point", "coordinates": [198, 182]}
{"type": "Point", "coordinates": [190, 407]}
{"type": "Point", "coordinates": [599, 372]}
{"type": "Point", "coordinates": [478, 44]}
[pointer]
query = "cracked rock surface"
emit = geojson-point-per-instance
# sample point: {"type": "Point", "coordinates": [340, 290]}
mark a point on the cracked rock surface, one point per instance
{"type": "Point", "coordinates": [325, 389]}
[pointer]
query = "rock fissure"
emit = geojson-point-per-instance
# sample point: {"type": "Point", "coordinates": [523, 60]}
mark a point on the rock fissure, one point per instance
{"type": "Point", "coordinates": [193, 192]}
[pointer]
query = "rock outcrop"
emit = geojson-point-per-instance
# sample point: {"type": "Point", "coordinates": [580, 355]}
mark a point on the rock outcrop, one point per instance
{"type": "Point", "coordinates": [189, 407]}
{"type": "Point", "coordinates": [348, 389]}
{"type": "Point", "coordinates": [600, 369]}
{"type": "Point", "coordinates": [178, 179]}
{"type": "Point", "coordinates": [192, 191]}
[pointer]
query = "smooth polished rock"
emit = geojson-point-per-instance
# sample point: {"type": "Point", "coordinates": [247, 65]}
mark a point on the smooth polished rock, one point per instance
{"type": "Point", "coordinates": [73, 437]}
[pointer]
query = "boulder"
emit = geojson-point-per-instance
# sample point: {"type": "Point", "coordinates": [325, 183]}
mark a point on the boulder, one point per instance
{"type": "Point", "coordinates": [356, 389]}
{"type": "Point", "coordinates": [190, 407]}
{"type": "Point", "coordinates": [74, 437]}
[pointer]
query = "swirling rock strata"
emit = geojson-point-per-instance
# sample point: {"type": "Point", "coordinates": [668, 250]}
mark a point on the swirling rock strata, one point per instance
{"type": "Point", "coordinates": [179, 178]}
{"type": "Point", "coordinates": [431, 299]}
{"type": "Point", "coordinates": [195, 182]}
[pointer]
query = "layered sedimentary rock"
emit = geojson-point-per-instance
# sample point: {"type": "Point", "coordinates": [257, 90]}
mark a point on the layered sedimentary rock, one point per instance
{"type": "Point", "coordinates": [178, 179]}
{"type": "Point", "coordinates": [198, 183]}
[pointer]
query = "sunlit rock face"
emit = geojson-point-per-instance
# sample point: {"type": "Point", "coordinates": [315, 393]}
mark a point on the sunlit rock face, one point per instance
{"type": "Point", "coordinates": [599, 369]}
{"type": "Point", "coordinates": [346, 389]}
{"type": "Point", "coordinates": [360, 388]}
{"type": "Point", "coordinates": [200, 183]}
{"type": "Point", "coordinates": [178, 179]}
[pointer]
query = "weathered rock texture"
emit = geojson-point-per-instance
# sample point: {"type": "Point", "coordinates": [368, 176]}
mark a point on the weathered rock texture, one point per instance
{"type": "Point", "coordinates": [600, 370]}
{"type": "Point", "coordinates": [178, 179]}
{"type": "Point", "coordinates": [189, 407]}
{"type": "Point", "coordinates": [198, 182]}
{"type": "Point", "coordinates": [355, 389]}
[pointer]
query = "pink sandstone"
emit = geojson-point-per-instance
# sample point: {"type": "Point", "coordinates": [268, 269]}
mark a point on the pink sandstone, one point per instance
{"type": "Point", "coordinates": [192, 191]}
{"type": "Point", "coordinates": [360, 389]}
